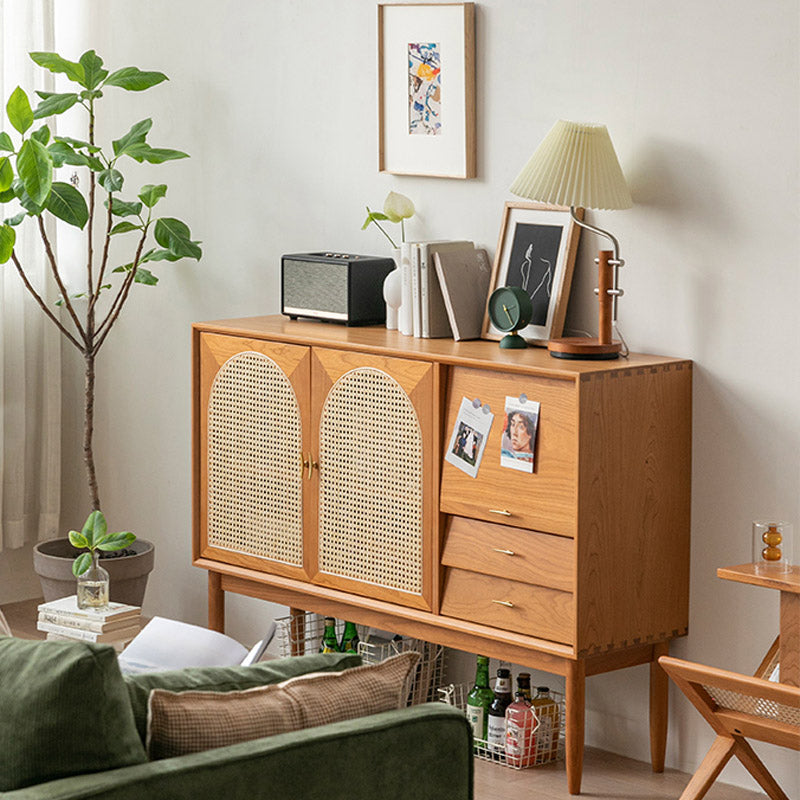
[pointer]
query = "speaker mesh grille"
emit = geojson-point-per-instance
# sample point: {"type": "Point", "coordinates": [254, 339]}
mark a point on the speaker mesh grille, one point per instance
{"type": "Point", "coordinates": [254, 476]}
{"type": "Point", "coordinates": [370, 510]}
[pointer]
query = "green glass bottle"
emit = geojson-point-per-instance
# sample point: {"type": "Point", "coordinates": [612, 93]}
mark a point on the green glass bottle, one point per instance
{"type": "Point", "coordinates": [479, 699]}
{"type": "Point", "coordinates": [350, 640]}
{"type": "Point", "coordinates": [329, 644]}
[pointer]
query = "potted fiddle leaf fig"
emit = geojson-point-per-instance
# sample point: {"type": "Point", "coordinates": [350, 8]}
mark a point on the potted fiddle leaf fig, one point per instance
{"type": "Point", "coordinates": [40, 179]}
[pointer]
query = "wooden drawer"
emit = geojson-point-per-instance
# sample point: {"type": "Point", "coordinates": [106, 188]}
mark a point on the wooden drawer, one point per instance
{"type": "Point", "coordinates": [534, 610]}
{"type": "Point", "coordinates": [526, 556]}
{"type": "Point", "coordinates": [545, 500]}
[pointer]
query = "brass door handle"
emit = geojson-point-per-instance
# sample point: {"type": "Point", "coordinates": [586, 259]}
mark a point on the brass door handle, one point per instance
{"type": "Point", "coordinates": [502, 511]}
{"type": "Point", "coordinates": [502, 550]}
{"type": "Point", "coordinates": [505, 603]}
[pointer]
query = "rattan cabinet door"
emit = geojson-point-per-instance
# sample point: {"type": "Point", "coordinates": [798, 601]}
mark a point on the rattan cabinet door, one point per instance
{"type": "Point", "coordinates": [253, 418]}
{"type": "Point", "coordinates": [372, 420]}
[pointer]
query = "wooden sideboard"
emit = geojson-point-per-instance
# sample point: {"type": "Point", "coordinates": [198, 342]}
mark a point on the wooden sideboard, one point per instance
{"type": "Point", "coordinates": [320, 483]}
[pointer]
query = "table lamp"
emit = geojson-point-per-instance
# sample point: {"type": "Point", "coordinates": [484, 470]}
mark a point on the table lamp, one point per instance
{"type": "Point", "coordinates": [576, 166]}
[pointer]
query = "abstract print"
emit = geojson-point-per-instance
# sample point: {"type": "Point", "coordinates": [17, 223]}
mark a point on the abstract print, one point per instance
{"type": "Point", "coordinates": [424, 88]}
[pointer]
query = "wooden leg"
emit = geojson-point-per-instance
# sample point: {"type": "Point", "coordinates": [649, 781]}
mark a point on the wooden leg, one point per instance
{"type": "Point", "coordinates": [710, 767]}
{"type": "Point", "coordinates": [216, 602]}
{"type": "Point", "coordinates": [659, 708]}
{"type": "Point", "coordinates": [575, 713]}
{"type": "Point", "coordinates": [756, 768]}
{"type": "Point", "coordinates": [790, 638]}
{"type": "Point", "coordinates": [297, 631]}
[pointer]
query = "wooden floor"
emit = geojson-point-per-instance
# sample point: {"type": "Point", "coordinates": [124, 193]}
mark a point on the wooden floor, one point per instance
{"type": "Point", "coordinates": [605, 775]}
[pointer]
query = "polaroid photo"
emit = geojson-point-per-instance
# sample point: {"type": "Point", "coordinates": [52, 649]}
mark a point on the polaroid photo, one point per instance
{"type": "Point", "coordinates": [468, 440]}
{"type": "Point", "coordinates": [518, 443]}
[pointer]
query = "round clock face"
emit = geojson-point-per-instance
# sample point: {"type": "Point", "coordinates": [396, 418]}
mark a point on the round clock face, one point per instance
{"type": "Point", "coordinates": [510, 308]}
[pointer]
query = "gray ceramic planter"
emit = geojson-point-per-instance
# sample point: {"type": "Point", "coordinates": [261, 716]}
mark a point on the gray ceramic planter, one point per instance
{"type": "Point", "coordinates": [52, 561]}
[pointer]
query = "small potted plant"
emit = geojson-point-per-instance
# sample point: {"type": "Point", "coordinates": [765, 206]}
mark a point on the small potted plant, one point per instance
{"type": "Point", "coordinates": [92, 578]}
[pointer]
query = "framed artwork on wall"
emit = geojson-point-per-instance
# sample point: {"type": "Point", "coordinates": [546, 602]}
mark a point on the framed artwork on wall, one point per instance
{"type": "Point", "coordinates": [426, 89]}
{"type": "Point", "coordinates": [536, 252]}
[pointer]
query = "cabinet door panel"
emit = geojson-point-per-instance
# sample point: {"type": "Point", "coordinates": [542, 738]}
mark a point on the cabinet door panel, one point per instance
{"type": "Point", "coordinates": [372, 420]}
{"type": "Point", "coordinates": [255, 411]}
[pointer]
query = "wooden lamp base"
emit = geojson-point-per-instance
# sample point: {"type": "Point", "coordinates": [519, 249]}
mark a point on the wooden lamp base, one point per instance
{"type": "Point", "coordinates": [602, 348]}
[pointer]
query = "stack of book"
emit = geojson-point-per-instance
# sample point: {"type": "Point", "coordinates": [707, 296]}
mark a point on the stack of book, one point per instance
{"type": "Point", "coordinates": [430, 308]}
{"type": "Point", "coordinates": [116, 624]}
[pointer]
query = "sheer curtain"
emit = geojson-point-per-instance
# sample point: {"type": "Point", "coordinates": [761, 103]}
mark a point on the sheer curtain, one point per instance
{"type": "Point", "coordinates": [30, 345]}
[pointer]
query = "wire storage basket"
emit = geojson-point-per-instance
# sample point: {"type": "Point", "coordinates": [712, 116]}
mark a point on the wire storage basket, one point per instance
{"type": "Point", "coordinates": [538, 742]}
{"type": "Point", "coordinates": [302, 634]}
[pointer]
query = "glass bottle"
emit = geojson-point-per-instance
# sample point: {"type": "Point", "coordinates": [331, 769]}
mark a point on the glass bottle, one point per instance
{"type": "Point", "coordinates": [524, 685]}
{"type": "Point", "coordinates": [350, 640]}
{"type": "Point", "coordinates": [479, 698]}
{"type": "Point", "coordinates": [520, 735]}
{"type": "Point", "coordinates": [496, 724]}
{"type": "Point", "coordinates": [547, 711]}
{"type": "Point", "coordinates": [93, 585]}
{"type": "Point", "coordinates": [329, 644]}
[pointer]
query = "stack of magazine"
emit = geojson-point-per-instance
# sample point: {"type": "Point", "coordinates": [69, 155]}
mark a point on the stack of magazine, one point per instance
{"type": "Point", "coordinates": [117, 624]}
{"type": "Point", "coordinates": [444, 286]}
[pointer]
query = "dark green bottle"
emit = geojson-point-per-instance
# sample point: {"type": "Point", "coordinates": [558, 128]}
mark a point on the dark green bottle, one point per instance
{"type": "Point", "coordinates": [350, 640]}
{"type": "Point", "coordinates": [329, 643]}
{"type": "Point", "coordinates": [479, 699]}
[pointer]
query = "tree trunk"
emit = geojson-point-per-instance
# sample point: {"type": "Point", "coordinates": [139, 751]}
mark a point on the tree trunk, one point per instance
{"type": "Point", "coordinates": [88, 430]}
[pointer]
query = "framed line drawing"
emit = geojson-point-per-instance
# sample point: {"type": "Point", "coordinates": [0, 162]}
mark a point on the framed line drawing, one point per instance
{"type": "Point", "coordinates": [426, 89]}
{"type": "Point", "coordinates": [536, 252]}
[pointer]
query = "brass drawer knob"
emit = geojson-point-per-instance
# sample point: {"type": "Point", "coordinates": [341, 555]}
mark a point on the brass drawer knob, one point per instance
{"type": "Point", "coordinates": [502, 550]}
{"type": "Point", "coordinates": [501, 511]}
{"type": "Point", "coordinates": [505, 603]}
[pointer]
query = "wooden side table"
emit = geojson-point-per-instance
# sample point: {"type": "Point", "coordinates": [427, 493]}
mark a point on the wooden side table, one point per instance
{"type": "Point", "coordinates": [788, 584]}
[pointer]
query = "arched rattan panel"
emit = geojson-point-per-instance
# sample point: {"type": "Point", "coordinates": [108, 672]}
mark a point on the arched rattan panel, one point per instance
{"type": "Point", "coordinates": [254, 477]}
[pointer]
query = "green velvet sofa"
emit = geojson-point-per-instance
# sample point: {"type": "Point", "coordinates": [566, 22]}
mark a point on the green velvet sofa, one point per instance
{"type": "Point", "coordinates": [61, 706]}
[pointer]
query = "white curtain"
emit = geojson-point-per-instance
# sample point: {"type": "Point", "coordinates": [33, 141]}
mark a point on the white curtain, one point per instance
{"type": "Point", "coordinates": [30, 360]}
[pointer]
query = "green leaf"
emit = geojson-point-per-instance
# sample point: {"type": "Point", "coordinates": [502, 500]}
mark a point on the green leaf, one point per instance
{"type": "Point", "coordinates": [8, 236]}
{"type": "Point", "coordinates": [151, 194]}
{"type": "Point", "coordinates": [8, 195]}
{"type": "Point", "coordinates": [35, 168]}
{"type": "Point", "coordinates": [133, 79]}
{"type": "Point", "coordinates": [145, 276]}
{"type": "Point", "coordinates": [81, 564]}
{"type": "Point", "coordinates": [79, 143]}
{"type": "Point", "coordinates": [142, 151]}
{"type": "Point", "coordinates": [117, 541]}
{"type": "Point", "coordinates": [54, 104]}
{"type": "Point", "coordinates": [62, 153]}
{"type": "Point", "coordinates": [19, 111]}
{"type": "Point", "coordinates": [175, 236]}
{"type": "Point", "coordinates": [16, 219]}
{"type": "Point", "coordinates": [90, 94]}
{"type": "Point", "coordinates": [93, 72]}
{"type": "Point", "coordinates": [95, 164]}
{"type": "Point", "coordinates": [111, 180]}
{"type": "Point", "coordinates": [159, 255]}
{"type": "Point", "coordinates": [136, 135]}
{"type": "Point", "coordinates": [67, 203]}
{"type": "Point", "coordinates": [42, 135]}
{"type": "Point", "coordinates": [77, 539]}
{"type": "Point", "coordinates": [124, 227]}
{"type": "Point", "coordinates": [6, 173]}
{"type": "Point", "coordinates": [6, 143]}
{"type": "Point", "coordinates": [122, 208]}
{"type": "Point", "coordinates": [94, 527]}
{"type": "Point", "coordinates": [55, 63]}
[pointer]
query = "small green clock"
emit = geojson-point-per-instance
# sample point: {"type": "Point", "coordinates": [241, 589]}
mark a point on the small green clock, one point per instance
{"type": "Point", "coordinates": [510, 309]}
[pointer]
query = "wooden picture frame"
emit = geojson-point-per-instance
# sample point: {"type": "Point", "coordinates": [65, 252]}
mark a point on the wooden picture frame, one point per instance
{"type": "Point", "coordinates": [426, 89]}
{"type": "Point", "coordinates": [536, 251]}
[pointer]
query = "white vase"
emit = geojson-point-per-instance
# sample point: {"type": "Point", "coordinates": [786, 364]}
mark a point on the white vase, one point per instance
{"type": "Point", "coordinates": [392, 292]}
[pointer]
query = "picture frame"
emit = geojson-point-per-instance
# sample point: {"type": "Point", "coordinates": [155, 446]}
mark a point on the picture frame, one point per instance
{"type": "Point", "coordinates": [426, 89]}
{"type": "Point", "coordinates": [536, 251]}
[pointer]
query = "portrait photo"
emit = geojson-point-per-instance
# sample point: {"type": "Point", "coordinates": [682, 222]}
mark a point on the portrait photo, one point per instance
{"type": "Point", "coordinates": [518, 442]}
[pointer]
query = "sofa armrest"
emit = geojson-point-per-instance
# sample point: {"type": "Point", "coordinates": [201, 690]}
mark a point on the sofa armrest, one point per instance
{"type": "Point", "coordinates": [424, 752]}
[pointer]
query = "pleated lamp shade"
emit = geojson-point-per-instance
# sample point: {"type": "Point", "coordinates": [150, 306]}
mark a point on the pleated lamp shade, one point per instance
{"type": "Point", "coordinates": [575, 165]}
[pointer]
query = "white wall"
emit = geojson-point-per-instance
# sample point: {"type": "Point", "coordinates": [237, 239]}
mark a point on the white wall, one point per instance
{"type": "Point", "coordinates": [276, 102]}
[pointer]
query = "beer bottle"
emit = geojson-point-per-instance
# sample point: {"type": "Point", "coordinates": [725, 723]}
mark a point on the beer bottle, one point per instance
{"type": "Point", "coordinates": [496, 725]}
{"type": "Point", "coordinates": [329, 642]}
{"type": "Point", "coordinates": [524, 685]}
{"type": "Point", "coordinates": [479, 698]}
{"type": "Point", "coordinates": [548, 713]}
{"type": "Point", "coordinates": [349, 643]}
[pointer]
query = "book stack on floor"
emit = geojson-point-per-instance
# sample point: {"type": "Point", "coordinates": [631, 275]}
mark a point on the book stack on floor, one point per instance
{"type": "Point", "coordinates": [433, 307]}
{"type": "Point", "coordinates": [116, 624]}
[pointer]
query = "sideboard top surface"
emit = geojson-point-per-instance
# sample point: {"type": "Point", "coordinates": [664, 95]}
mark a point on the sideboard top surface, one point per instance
{"type": "Point", "coordinates": [376, 339]}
